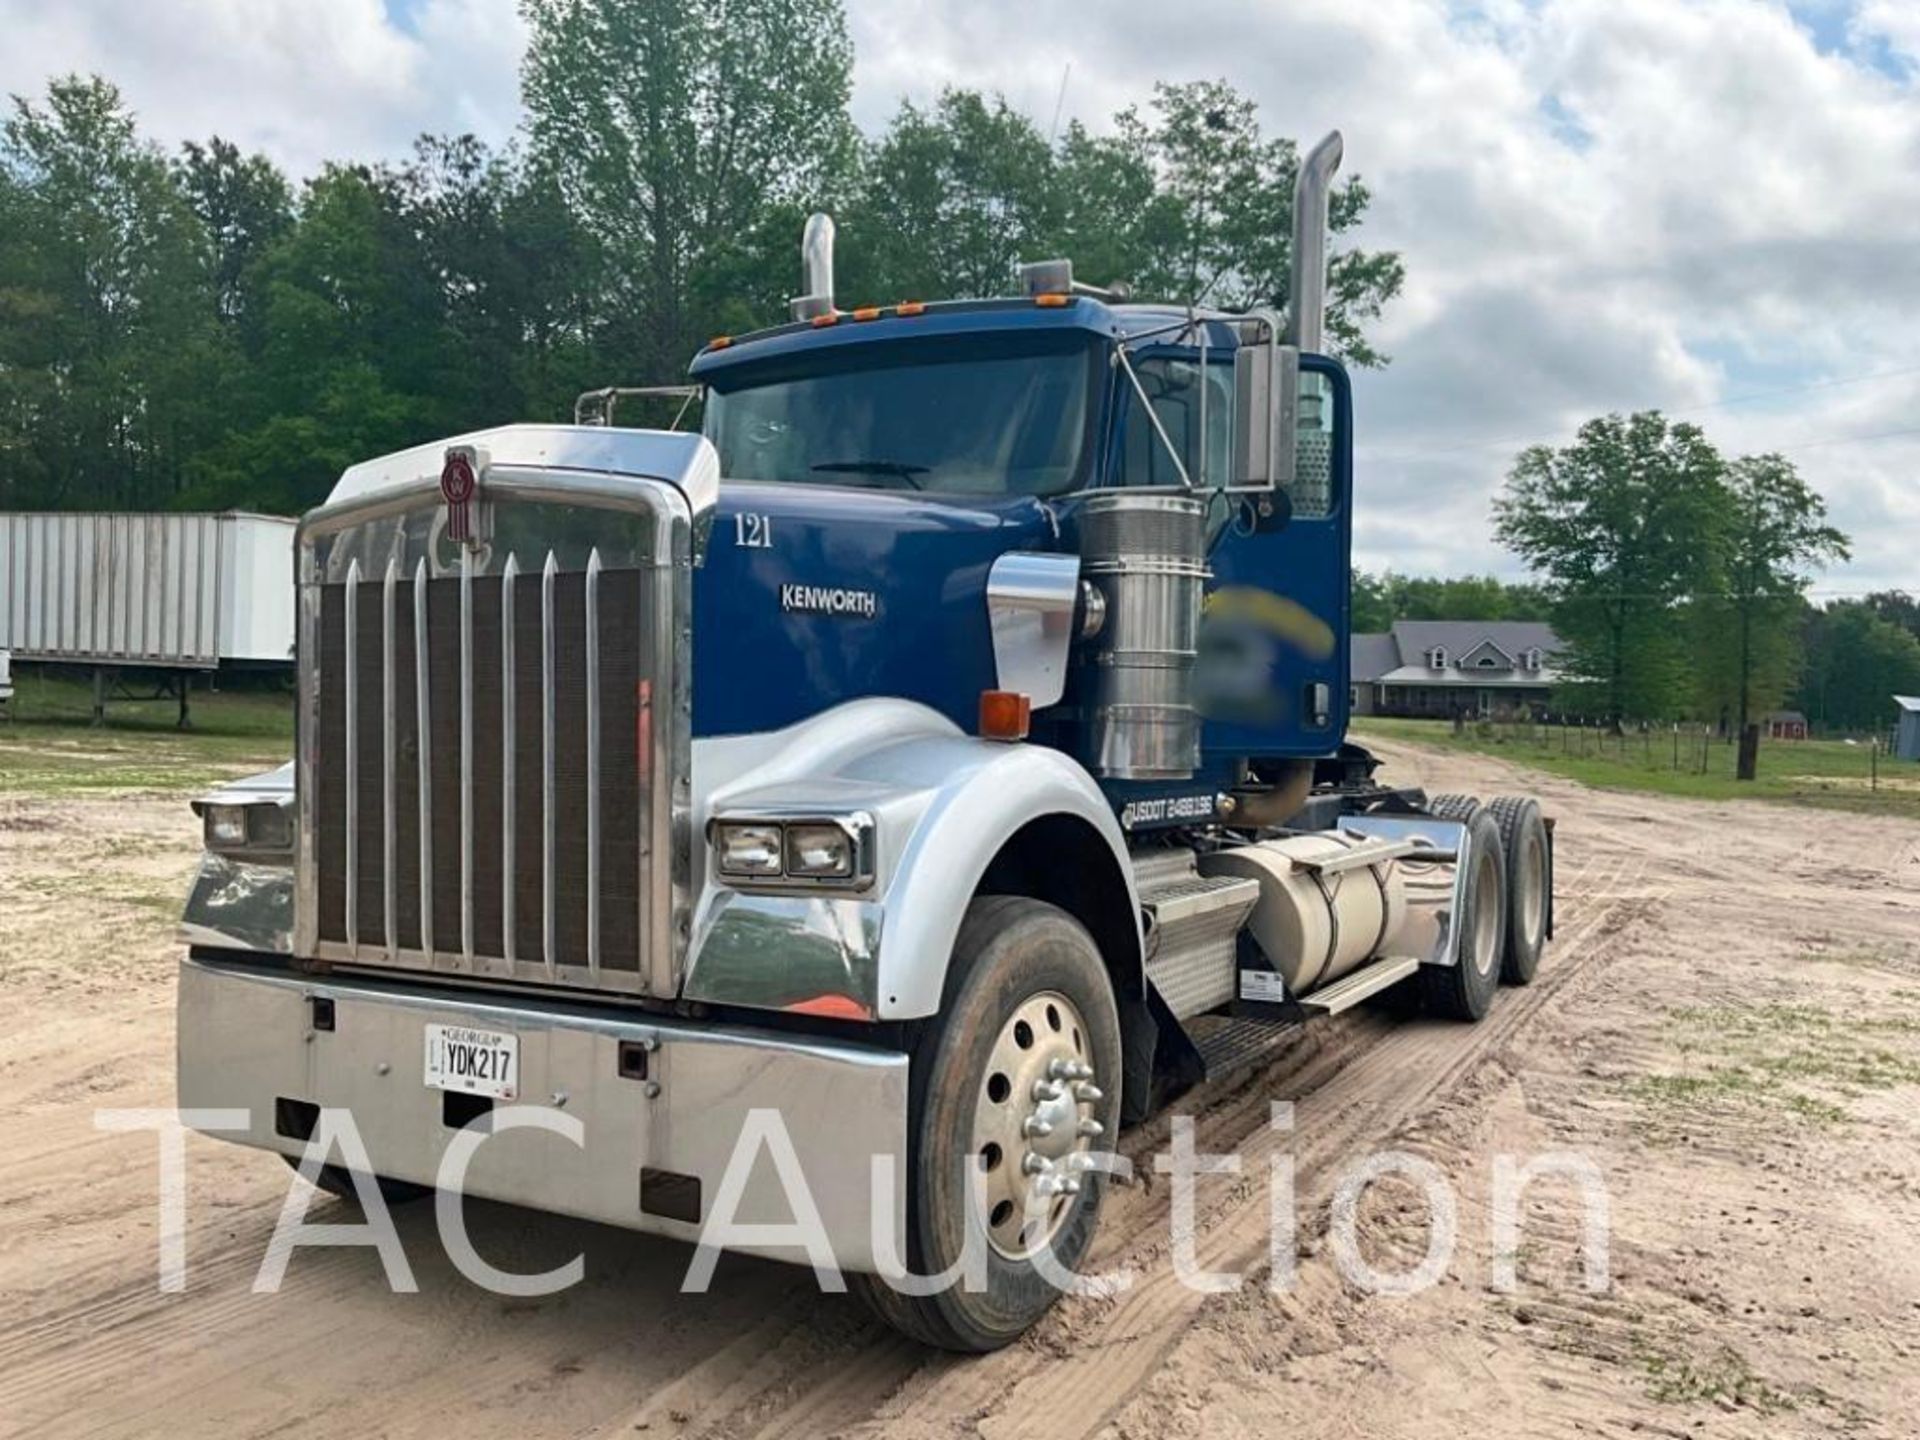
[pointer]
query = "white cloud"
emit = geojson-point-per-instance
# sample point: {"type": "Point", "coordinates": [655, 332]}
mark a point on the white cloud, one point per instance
{"type": "Point", "coordinates": [1602, 203]}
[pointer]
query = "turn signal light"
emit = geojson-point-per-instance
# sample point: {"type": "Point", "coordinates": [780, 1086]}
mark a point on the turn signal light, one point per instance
{"type": "Point", "coordinates": [1005, 714]}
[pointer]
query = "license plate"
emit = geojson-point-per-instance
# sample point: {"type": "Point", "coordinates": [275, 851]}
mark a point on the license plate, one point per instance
{"type": "Point", "coordinates": [473, 1062]}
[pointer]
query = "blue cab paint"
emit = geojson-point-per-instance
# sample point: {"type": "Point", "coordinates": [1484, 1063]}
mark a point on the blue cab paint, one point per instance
{"type": "Point", "coordinates": [1277, 604]}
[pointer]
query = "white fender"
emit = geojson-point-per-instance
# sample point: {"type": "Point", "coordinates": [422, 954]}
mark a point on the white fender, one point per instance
{"type": "Point", "coordinates": [944, 803]}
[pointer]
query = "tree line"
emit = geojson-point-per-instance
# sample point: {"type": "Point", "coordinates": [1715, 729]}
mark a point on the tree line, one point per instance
{"type": "Point", "coordinates": [1678, 579]}
{"type": "Point", "coordinates": [197, 329]}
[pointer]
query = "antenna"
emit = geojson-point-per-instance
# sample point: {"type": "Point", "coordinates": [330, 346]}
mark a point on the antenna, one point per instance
{"type": "Point", "coordinates": [1059, 104]}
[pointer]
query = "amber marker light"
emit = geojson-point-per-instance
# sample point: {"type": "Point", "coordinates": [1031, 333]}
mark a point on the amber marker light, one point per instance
{"type": "Point", "coordinates": [720, 342]}
{"type": "Point", "coordinates": [867, 312]}
{"type": "Point", "coordinates": [910, 308]}
{"type": "Point", "coordinates": [1052, 301]}
{"type": "Point", "coordinates": [1005, 714]}
{"type": "Point", "coordinates": [820, 322]}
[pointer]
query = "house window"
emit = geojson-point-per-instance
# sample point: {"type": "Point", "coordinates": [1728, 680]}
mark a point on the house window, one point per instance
{"type": "Point", "coordinates": [1531, 659]}
{"type": "Point", "coordinates": [1437, 658]}
{"type": "Point", "coordinates": [1487, 662]}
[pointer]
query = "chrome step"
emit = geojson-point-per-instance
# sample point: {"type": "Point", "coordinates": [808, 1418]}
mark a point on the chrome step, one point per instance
{"type": "Point", "coordinates": [1193, 923]}
{"type": "Point", "coordinates": [1368, 980]}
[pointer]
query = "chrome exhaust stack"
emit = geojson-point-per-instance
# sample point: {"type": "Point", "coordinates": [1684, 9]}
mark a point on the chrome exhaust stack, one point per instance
{"type": "Point", "coordinates": [816, 267]}
{"type": "Point", "coordinates": [1307, 297]}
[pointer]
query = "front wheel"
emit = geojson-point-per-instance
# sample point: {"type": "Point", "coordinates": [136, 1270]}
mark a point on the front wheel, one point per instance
{"type": "Point", "coordinates": [1012, 1089]}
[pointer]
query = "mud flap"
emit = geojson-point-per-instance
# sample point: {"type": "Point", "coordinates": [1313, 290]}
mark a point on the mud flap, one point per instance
{"type": "Point", "coordinates": [1162, 1063]}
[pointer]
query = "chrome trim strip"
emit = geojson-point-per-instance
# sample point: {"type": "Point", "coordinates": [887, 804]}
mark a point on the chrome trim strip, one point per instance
{"type": "Point", "coordinates": [593, 764]}
{"type": "Point", "coordinates": [352, 598]}
{"type": "Point", "coordinates": [389, 598]}
{"type": "Point", "coordinates": [466, 756]}
{"type": "Point", "coordinates": [424, 704]}
{"type": "Point", "coordinates": [547, 727]}
{"type": "Point", "coordinates": [509, 573]}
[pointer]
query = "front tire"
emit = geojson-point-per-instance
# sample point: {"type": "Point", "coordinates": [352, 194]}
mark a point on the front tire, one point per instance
{"type": "Point", "coordinates": [1017, 1078]}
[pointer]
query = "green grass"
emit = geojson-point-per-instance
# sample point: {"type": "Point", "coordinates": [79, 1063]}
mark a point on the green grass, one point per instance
{"type": "Point", "coordinates": [51, 748]}
{"type": "Point", "coordinates": [1825, 773]}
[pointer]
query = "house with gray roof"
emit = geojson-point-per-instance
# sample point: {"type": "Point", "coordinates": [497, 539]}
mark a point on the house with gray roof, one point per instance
{"type": "Point", "coordinates": [1450, 667]}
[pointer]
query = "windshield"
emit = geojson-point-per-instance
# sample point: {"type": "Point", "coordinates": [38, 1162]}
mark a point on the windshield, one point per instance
{"type": "Point", "coordinates": [948, 419]}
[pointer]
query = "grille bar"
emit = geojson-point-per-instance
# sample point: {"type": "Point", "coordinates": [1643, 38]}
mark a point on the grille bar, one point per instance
{"type": "Point", "coordinates": [466, 756]}
{"type": "Point", "coordinates": [353, 757]}
{"type": "Point", "coordinates": [547, 726]}
{"type": "Point", "coordinates": [423, 702]}
{"type": "Point", "coordinates": [389, 598]}
{"type": "Point", "coordinates": [593, 765]}
{"type": "Point", "coordinates": [509, 574]}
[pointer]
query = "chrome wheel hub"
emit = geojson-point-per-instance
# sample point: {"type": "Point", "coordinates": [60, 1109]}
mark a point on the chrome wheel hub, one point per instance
{"type": "Point", "coordinates": [1034, 1126]}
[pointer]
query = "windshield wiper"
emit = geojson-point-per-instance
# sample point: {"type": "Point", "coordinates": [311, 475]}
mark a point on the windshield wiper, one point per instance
{"type": "Point", "coordinates": [892, 469]}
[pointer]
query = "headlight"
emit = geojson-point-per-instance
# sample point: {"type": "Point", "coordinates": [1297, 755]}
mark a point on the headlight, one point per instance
{"type": "Point", "coordinates": [748, 850]}
{"type": "Point", "coordinates": [819, 852]}
{"type": "Point", "coordinates": [798, 851]}
{"type": "Point", "coordinates": [226, 827]}
{"type": "Point", "coordinates": [265, 828]}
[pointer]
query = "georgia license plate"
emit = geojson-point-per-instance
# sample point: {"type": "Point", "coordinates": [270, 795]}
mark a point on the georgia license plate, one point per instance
{"type": "Point", "coordinates": [474, 1062]}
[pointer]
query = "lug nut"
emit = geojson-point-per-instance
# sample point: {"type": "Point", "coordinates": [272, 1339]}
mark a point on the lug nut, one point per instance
{"type": "Point", "coordinates": [1091, 1129]}
{"type": "Point", "coordinates": [1032, 1164]}
{"type": "Point", "coordinates": [1045, 1090]}
{"type": "Point", "coordinates": [1069, 1186]}
{"type": "Point", "coordinates": [1088, 1094]}
{"type": "Point", "coordinates": [1034, 1127]}
{"type": "Point", "coordinates": [1061, 1069]}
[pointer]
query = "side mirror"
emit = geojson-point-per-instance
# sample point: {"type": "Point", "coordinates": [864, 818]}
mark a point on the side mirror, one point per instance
{"type": "Point", "coordinates": [1266, 407]}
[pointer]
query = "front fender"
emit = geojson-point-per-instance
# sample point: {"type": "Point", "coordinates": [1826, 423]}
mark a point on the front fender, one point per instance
{"type": "Point", "coordinates": [944, 804]}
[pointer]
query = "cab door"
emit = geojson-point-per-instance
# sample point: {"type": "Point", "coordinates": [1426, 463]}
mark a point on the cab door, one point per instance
{"type": "Point", "coordinates": [1274, 663]}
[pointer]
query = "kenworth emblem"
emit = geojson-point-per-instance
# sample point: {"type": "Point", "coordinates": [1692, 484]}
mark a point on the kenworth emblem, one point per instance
{"type": "Point", "coordinates": [460, 484]}
{"type": "Point", "coordinates": [829, 600]}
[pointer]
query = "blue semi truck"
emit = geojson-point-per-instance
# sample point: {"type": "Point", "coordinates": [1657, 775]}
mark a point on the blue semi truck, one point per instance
{"type": "Point", "coordinates": [938, 759]}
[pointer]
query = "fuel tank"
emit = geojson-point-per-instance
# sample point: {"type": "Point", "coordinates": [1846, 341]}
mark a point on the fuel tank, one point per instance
{"type": "Point", "coordinates": [811, 595]}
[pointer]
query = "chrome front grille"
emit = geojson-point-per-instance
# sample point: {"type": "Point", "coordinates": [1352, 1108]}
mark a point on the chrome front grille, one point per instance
{"type": "Point", "coordinates": [493, 750]}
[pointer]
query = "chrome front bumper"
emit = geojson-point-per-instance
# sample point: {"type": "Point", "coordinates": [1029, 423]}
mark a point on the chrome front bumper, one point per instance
{"type": "Point", "coordinates": [248, 1040]}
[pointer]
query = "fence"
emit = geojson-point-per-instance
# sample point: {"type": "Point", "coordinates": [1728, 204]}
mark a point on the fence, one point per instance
{"type": "Point", "coordinates": [1696, 749]}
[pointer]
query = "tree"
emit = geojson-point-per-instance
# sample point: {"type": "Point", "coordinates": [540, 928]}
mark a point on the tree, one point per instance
{"type": "Point", "coordinates": [1191, 203]}
{"type": "Point", "coordinates": [1623, 526]}
{"type": "Point", "coordinates": [669, 128]}
{"type": "Point", "coordinates": [1772, 530]}
{"type": "Point", "coordinates": [1856, 661]}
{"type": "Point", "coordinates": [1379, 600]}
{"type": "Point", "coordinates": [110, 362]}
{"type": "Point", "coordinates": [954, 198]}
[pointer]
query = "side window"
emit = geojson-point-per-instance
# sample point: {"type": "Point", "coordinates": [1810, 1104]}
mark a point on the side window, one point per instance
{"type": "Point", "coordinates": [1174, 387]}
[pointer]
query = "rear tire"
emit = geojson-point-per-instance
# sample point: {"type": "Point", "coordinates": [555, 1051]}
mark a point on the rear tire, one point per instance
{"type": "Point", "coordinates": [1523, 836]}
{"type": "Point", "coordinates": [1464, 990]}
{"type": "Point", "coordinates": [1026, 991]}
{"type": "Point", "coordinates": [1453, 807]}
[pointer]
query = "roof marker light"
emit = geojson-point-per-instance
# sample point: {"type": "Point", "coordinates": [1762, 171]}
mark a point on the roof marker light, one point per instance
{"type": "Point", "coordinates": [720, 342]}
{"type": "Point", "coordinates": [820, 322]}
{"type": "Point", "coordinates": [1052, 301]}
{"type": "Point", "coordinates": [867, 312]}
{"type": "Point", "coordinates": [911, 307]}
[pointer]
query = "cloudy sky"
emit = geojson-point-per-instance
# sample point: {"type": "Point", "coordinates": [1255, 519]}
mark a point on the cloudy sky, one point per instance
{"type": "Point", "coordinates": [1712, 206]}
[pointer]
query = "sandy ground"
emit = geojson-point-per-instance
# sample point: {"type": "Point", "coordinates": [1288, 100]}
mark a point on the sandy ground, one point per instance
{"type": "Point", "coordinates": [1727, 1027]}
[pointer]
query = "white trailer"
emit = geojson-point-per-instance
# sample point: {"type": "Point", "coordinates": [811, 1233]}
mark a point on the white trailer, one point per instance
{"type": "Point", "coordinates": [172, 593]}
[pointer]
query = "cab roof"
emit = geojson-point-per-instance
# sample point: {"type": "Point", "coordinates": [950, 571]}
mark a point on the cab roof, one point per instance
{"type": "Point", "coordinates": [868, 325]}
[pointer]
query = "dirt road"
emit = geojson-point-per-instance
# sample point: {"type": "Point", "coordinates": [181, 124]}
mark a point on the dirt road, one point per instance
{"type": "Point", "coordinates": [1727, 1027]}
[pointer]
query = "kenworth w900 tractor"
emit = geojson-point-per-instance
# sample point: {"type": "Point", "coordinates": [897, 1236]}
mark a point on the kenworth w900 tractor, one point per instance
{"type": "Point", "coordinates": [931, 766]}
